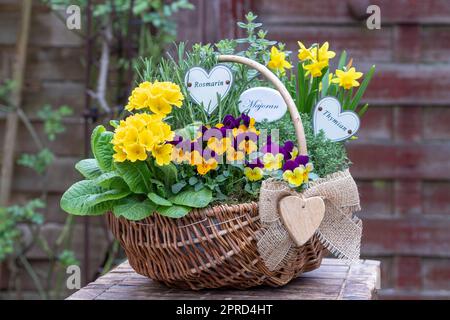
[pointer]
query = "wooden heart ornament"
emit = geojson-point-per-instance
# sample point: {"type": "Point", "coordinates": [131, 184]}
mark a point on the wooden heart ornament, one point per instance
{"type": "Point", "coordinates": [204, 87]}
{"type": "Point", "coordinates": [337, 125]}
{"type": "Point", "coordinates": [301, 217]}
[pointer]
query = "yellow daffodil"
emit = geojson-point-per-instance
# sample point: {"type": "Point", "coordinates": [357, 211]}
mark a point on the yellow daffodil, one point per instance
{"type": "Point", "coordinates": [315, 68]}
{"type": "Point", "coordinates": [235, 155]}
{"type": "Point", "coordinates": [278, 61]}
{"type": "Point", "coordinates": [206, 165]}
{"type": "Point", "coordinates": [254, 174]}
{"type": "Point", "coordinates": [295, 177]}
{"type": "Point", "coordinates": [248, 146]}
{"type": "Point", "coordinates": [322, 53]}
{"type": "Point", "coordinates": [162, 154]}
{"type": "Point", "coordinates": [347, 79]}
{"type": "Point", "coordinates": [272, 162]}
{"type": "Point", "coordinates": [303, 53]}
{"type": "Point", "coordinates": [135, 152]}
{"type": "Point", "coordinates": [219, 145]}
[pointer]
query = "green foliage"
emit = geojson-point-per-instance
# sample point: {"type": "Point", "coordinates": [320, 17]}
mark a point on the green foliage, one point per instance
{"type": "Point", "coordinates": [192, 198]}
{"type": "Point", "coordinates": [39, 162]}
{"type": "Point", "coordinates": [53, 119]}
{"type": "Point", "coordinates": [136, 175]}
{"type": "Point", "coordinates": [89, 168]}
{"type": "Point", "coordinates": [327, 156]}
{"type": "Point", "coordinates": [67, 258]}
{"type": "Point", "coordinates": [10, 218]}
{"type": "Point", "coordinates": [102, 148]}
{"type": "Point", "coordinates": [86, 198]}
{"type": "Point", "coordinates": [134, 208]}
{"type": "Point", "coordinates": [5, 89]}
{"type": "Point", "coordinates": [173, 211]}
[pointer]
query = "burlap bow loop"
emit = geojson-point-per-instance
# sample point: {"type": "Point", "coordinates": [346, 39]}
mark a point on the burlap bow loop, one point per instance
{"type": "Point", "coordinates": [339, 231]}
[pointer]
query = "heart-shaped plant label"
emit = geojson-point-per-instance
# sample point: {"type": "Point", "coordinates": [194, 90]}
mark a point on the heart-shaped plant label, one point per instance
{"type": "Point", "coordinates": [301, 217]}
{"type": "Point", "coordinates": [337, 125]}
{"type": "Point", "coordinates": [204, 88]}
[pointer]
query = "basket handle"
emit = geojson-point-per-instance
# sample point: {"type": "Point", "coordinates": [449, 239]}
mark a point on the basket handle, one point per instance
{"type": "Point", "coordinates": [270, 76]}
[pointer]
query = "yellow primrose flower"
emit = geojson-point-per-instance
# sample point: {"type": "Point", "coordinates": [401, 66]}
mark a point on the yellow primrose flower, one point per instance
{"type": "Point", "coordinates": [146, 139]}
{"type": "Point", "coordinates": [304, 53]}
{"type": "Point", "coordinates": [219, 145]}
{"type": "Point", "coordinates": [205, 166]}
{"type": "Point", "coordinates": [247, 146]}
{"type": "Point", "coordinates": [159, 97]}
{"type": "Point", "coordinates": [254, 174]}
{"type": "Point", "coordinates": [139, 97]}
{"type": "Point", "coordinates": [235, 155]}
{"type": "Point", "coordinates": [278, 61]}
{"type": "Point", "coordinates": [272, 162]}
{"type": "Point", "coordinates": [131, 136]}
{"type": "Point", "coordinates": [135, 152]}
{"type": "Point", "coordinates": [162, 154]}
{"type": "Point", "coordinates": [295, 177]}
{"type": "Point", "coordinates": [315, 68]}
{"type": "Point", "coordinates": [347, 79]}
{"type": "Point", "coordinates": [119, 155]}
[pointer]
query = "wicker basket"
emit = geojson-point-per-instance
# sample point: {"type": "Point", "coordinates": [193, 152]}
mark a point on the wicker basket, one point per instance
{"type": "Point", "coordinates": [213, 247]}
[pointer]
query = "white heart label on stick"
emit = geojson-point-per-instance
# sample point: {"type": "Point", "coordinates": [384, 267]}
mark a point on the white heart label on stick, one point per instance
{"type": "Point", "coordinates": [205, 87]}
{"type": "Point", "coordinates": [337, 125]}
{"type": "Point", "coordinates": [262, 104]}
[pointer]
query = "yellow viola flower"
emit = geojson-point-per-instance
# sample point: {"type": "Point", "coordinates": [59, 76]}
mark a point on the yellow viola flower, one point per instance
{"type": "Point", "coordinates": [179, 156]}
{"type": "Point", "coordinates": [308, 168]}
{"type": "Point", "coordinates": [219, 146]}
{"type": "Point", "coordinates": [272, 162]}
{"type": "Point", "coordinates": [315, 68]}
{"type": "Point", "coordinates": [294, 153]}
{"type": "Point", "coordinates": [235, 155]}
{"type": "Point", "coordinates": [135, 152]}
{"type": "Point", "coordinates": [247, 146]}
{"type": "Point", "coordinates": [162, 154]}
{"type": "Point", "coordinates": [205, 166]}
{"type": "Point", "coordinates": [304, 53]}
{"type": "Point", "coordinates": [119, 155]}
{"type": "Point", "coordinates": [195, 158]}
{"type": "Point", "coordinates": [295, 177]}
{"type": "Point", "coordinates": [278, 61]}
{"type": "Point", "coordinates": [254, 174]}
{"type": "Point", "coordinates": [347, 79]}
{"type": "Point", "coordinates": [237, 131]}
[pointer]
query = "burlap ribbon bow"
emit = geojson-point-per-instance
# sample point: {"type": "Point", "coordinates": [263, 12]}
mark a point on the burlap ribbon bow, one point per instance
{"type": "Point", "coordinates": [340, 232]}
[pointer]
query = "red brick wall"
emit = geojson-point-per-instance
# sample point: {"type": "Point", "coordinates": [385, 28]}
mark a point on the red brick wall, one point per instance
{"type": "Point", "coordinates": [402, 157]}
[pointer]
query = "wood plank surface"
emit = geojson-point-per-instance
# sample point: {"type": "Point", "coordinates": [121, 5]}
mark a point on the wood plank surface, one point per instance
{"type": "Point", "coordinates": [334, 280]}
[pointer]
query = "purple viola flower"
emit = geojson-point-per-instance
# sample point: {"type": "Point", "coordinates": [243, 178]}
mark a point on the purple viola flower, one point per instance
{"type": "Point", "coordinates": [176, 140]}
{"type": "Point", "coordinates": [287, 149]}
{"type": "Point", "coordinates": [271, 147]}
{"type": "Point", "coordinates": [246, 119]}
{"type": "Point", "coordinates": [255, 163]}
{"type": "Point", "coordinates": [230, 122]}
{"type": "Point", "coordinates": [292, 164]}
{"type": "Point", "coordinates": [247, 136]}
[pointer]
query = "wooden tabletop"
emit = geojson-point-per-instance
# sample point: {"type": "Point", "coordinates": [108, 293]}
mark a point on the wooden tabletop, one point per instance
{"type": "Point", "coordinates": [333, 280]}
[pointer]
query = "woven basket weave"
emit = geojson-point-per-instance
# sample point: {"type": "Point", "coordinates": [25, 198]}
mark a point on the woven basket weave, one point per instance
{"type": "Point", "coordinates": [213, 247]}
